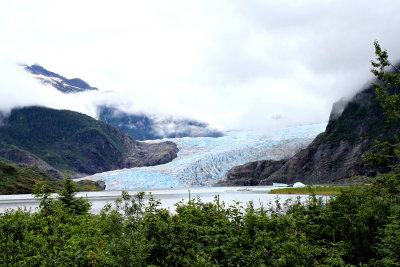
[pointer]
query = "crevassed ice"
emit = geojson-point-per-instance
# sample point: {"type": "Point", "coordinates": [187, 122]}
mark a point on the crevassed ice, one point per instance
{"type": "Point", "coordinates": [202, 161]}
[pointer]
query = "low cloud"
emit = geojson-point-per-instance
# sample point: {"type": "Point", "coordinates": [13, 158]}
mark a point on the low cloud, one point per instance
{"type": "Point", "coordinates": [18, 88]}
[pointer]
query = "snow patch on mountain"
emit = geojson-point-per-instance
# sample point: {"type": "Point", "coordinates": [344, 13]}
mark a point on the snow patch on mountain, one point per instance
{"type": "Point", "coordinates": [59, 82]}
{"type": "Point", "coordinates": [203, 161]}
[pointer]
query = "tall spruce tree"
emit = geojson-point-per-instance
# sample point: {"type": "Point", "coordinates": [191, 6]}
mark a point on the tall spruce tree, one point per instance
{"type": "Point", "coordinates": [387, 92]}
{"type": "Point", "coordinates": [70, 201]}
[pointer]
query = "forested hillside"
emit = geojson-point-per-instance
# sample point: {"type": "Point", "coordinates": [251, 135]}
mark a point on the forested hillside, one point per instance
{"type": "Point", "coordinates": [70, 141]}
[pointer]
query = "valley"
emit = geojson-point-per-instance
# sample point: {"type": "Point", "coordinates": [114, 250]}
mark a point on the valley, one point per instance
{"type": "Point", "coordinates": [199, 133]}
{"type": "Point", "coordinates": [204, 161]}
{"type": "Point", "coordinates": [185, 152]}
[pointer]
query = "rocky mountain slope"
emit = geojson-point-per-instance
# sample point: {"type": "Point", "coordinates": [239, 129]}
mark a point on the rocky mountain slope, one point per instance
{"type": "Point", "coordinates": [251, 173]}
{"type": "Point", "coordinates": [61, 140]}
{"type": "Point", "coordinates": [335, 156]}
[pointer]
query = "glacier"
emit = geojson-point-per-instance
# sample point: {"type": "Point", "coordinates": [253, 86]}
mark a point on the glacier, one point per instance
{"type": "Point", "coordinates": [202, 161]}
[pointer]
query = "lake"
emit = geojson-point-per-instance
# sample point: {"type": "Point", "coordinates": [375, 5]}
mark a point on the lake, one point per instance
{"type": "Point", "coordinates": [258, 194]}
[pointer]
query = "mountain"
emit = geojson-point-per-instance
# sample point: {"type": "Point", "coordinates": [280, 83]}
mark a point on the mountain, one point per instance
{"type": "Point", "coordinates": [62, 140]}
{"type": "Point", "coordinates": [144, 127]}
{"type": "Point", "coordinates": [203, 161]}
{"type": "Point", "coordinates": [63, 84]}
{"type": "Point", "coordinates": [335, 156]}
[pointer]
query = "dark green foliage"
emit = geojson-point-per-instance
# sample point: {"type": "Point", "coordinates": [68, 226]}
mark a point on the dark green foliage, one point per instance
{"type": "Point", "coordinates": [359, 226]}
{"type": "Point", "coordinates": [387, 154]}
{"type": "Point", "coordinates": [389, 246]}
{"type": "Point", "coordinates": [318, 190]}
{"type": "Point", "coordinates": [389, 82]}
{"type": "Point", "coordinates": [67, 197]}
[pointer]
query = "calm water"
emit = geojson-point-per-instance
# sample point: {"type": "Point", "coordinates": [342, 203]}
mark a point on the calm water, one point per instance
{"type": "Point", "coordinates": [258, 194]}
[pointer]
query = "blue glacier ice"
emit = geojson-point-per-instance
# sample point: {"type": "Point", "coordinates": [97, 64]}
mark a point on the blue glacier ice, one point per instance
{"type": "Point", "coordinates": [202, 161]}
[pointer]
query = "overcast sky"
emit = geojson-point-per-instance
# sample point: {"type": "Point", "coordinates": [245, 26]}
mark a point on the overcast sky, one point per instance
{"type": "Point", "coordinates": [234, 64]}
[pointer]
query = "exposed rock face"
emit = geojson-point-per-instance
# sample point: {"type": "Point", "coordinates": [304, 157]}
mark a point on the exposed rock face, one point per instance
{"type": "Point", "coordinates": [335, 156]}
{"type": "Point", "coordinates": [251, 173]}
{"type": "Point", "coordinates": [102, 184]}
{"type": "Point", "coordinates": [322, 163]}
{"type": "Point", "coordinates": [150, 154]}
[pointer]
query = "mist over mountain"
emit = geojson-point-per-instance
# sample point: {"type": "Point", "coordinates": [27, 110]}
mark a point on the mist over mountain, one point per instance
{"type": "Point", "coordinates": [139, 126]}
{"type": "Point", "coordinates": [335, 155]}
{"type": "Point", "coordinates": [146, 127]}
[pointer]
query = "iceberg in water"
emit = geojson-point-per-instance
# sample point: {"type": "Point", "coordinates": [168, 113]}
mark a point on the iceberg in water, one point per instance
{"type": "Point", "coordinates": [279, 185]}
{"type": "Point", "coordinates": [202, 161]}
{"type": "Point", "coordinates": [298, 184]}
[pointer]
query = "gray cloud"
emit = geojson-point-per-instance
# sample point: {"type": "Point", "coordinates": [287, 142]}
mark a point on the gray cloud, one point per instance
{"type": "Point", "coordinates": [233, 64]}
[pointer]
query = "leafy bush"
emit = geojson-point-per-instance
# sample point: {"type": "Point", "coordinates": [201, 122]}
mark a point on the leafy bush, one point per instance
{"type": "Point", "coordinates": [359, 226]}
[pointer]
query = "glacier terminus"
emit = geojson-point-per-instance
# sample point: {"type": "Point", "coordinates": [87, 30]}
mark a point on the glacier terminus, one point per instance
{"type": "Point", "coordinates": [202, 161]}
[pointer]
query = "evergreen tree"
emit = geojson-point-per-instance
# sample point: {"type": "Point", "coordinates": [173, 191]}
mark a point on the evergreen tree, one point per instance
{"type": "Point", "coordinates": [389, 81]}
{"type": "Point", "coordinates": [387, 92]}
{"type": "Point", "coordinates": [70, 202]}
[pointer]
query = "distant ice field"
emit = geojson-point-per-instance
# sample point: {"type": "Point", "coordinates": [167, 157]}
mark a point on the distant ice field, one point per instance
{"type": "Point", "coordinates": [202, 161]}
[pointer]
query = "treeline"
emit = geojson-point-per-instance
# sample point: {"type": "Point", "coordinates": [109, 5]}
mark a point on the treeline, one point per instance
{"type": "Point", "coordinates": [33, 126]}
{"type": "Point", "coordinates": [359, 226]}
